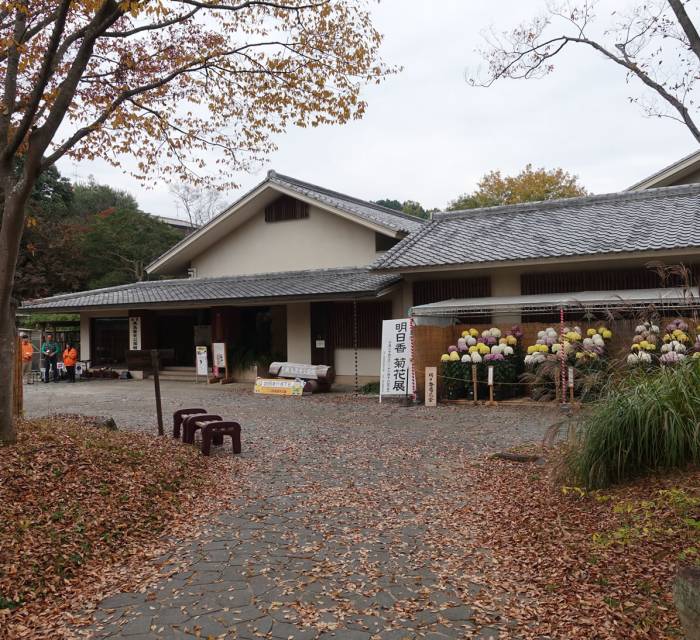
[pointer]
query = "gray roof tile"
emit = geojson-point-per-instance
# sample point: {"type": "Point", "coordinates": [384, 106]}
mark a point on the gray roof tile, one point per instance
{"type": "Point", "coordinates": [652, 220]}
{"type": "Point", "coordinates": [368, 210]}
{"type": "Point", "coordinates": [289, 284]}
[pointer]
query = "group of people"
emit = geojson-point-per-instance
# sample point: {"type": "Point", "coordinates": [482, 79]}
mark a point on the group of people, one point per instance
{"type": "Point", "coordinates": [50, 350]}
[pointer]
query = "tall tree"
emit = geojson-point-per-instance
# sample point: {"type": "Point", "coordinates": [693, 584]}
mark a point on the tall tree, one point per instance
{"type": "Point", "coordinates": [198, 204]}
{"type": "Point", "coordinates": [530, 185]}
{"type": "Point", "coordinates": [91, 198]}
{"type": "Point", "coordinates": [410, 207]}
{"type": "Point", "coordinates": [654, 42]}
{"type": "Point", "coordinates": [121, 242]}
{"type": "Point", "coordinates": [165, 82]}
{"type": "Point", "coordinates": [49, 257]}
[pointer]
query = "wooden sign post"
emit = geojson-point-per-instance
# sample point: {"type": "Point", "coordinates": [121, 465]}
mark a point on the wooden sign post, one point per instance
{"type": "Point", "coordinates": [571, 385]}
{"type": "Point", "coordinates": [475, 384]}
{"type": "Point", "coordinates": [490, 380]}
{"type": "Point", "coordinates": [156, 384]}
{"type": "Point", "coordinates": [431, 386]}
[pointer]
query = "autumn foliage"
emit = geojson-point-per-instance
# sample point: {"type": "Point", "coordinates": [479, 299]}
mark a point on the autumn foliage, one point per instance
{"type": "Point", "coordinates": [530, 185]}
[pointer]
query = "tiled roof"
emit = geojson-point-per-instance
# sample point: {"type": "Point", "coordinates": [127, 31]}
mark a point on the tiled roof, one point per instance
{"type": "Point", "coordinates": [652, 220]}
{"type": "Point", "coordinates": [289, 284]}
{"type": "Point", "coordinates": [369, 211]}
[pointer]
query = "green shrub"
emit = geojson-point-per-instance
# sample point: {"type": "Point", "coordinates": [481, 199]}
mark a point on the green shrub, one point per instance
{"type": "Point", "coordinates": [371, 388]}
{"type": "Point", "coordinates": [648, 421]}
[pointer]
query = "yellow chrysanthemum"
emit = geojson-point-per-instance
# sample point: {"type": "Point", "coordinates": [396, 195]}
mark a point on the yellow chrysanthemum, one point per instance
{"type": "Point", "coordinates": [445, 357]}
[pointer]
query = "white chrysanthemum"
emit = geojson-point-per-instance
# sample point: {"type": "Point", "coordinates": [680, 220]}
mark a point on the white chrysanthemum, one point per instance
{"type": "Point", "coordinates": [471, 341]}
{"type": "Point", "coordinates": [495, 332]}
{"type": "Point", "coordinates": [466, 358]}
{"type": "Point", "coordinates": [541, 334]}
{"type": "Point", "coordinates": [640, 328]}
{"type": "Point", "coordinates": [632, 358]}
{"type": "Point", "coordinates": [588, 342]}
{"type": "Point", "coordinates": [476, 358]}
{"type": "Point", "coordinates": [508, 351]}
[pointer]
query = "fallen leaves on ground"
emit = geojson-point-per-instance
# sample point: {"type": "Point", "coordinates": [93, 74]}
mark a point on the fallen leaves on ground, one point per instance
{"type": "Point", "coordinates": [83, 508]}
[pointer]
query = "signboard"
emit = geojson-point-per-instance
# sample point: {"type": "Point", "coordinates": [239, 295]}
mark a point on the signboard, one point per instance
{"type": "Point", "coordinates": [294, 370]}
{"type": "Point", "coordinates": [135, 333]}
{"type": "Point", "coordinates": [571, 377]}
{"type": "Point", "coordinates": [490, 376]}
{"type": "Point", "coordinates": [320, 344]}
{"type": "Point", "coordinates": [202, 362]}
{"type": "Point", "coordinates": [396, 376]}
{"type": "Point", "coordinates": [279, 387]}
{"type": "Point", "coordinates": [431, 386]}
{"type": "Point", "coordinates": [218, 350]}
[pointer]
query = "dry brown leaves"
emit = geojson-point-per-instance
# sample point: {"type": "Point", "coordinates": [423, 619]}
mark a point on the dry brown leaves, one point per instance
{"type": "Point", "coordinates": [83, 508]}
{"type": "Point", "coordinates": [564, 563]}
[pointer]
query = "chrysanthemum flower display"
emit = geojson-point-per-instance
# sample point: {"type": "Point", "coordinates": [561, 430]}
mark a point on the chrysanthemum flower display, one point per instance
{"type": "Point", "coordinates": [677, 330]}
{"type": "Point", "coordinates": [644, 349]}
{"type": "Point", "coordinates": [673, 352]}
{"type": "Point", "coordinates": [489, 347]}
{"type": "Point", "coordinates": [591, 348]}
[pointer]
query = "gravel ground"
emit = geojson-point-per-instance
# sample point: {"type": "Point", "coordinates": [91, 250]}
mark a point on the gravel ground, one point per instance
{"type": "Point", "coordinates": [336, 533]}
{"type": "Point", "coordinates": [131, 403]}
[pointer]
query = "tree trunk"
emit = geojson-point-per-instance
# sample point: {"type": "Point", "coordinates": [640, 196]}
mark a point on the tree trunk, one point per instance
{"type": "Point", "coordinates": [16, 194]}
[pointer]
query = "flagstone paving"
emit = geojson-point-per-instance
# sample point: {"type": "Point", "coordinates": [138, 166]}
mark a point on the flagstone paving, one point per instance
{"type": "Point", "coordinates": [337, 531]}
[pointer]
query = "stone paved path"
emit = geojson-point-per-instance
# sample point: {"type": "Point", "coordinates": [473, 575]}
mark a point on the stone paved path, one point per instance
{"type": "Point", "coordinates": [336, 533]}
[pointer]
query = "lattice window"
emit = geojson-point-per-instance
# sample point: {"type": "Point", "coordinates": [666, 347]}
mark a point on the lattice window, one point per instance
{"type": "Point", "coordinates": [286, 208]}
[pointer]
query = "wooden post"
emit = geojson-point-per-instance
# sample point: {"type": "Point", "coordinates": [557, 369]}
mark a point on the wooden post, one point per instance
{"type": "Point", "coordinates": [571, 385]}
{"type": "Point", "coordinates": [475, 385]}
{"type": "Point", "coordinates": [156, 383]}
{"type": "Point", "coordinates": [490, 380]}
{"type": "Point", "coordinates": [17, 387]}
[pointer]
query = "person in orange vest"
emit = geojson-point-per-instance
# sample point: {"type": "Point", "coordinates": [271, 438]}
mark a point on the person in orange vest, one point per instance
{"type": "Point", "coordinates": [70, 357]}
{"type": "Point", "coordinates": [27, 353]}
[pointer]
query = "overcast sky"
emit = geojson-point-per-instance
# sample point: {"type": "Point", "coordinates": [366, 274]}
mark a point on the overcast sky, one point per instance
{"type": "Point", "coordinates": [429, 136]}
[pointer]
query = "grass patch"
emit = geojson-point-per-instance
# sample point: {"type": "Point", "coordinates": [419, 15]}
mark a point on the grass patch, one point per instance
{"type": "Point", "coordinates": [645, 423]}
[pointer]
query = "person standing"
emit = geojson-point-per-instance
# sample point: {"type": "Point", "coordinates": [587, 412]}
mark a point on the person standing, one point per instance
{"type": "Point", "coordinates": [70, 357]}
{"type": "Point", "coordinates": [27, 353]}
{"type": "Point", "coordinates": [50, 352]}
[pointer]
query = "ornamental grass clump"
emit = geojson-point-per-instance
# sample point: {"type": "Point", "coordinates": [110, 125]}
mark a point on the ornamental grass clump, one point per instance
{"type": "Point", "coordinates": [646, 422]}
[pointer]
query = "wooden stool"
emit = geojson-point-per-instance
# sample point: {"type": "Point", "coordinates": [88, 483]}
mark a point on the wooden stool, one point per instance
{"type": "Point", "coordinates": [178, 417]}
{"type": "Point", "coordinates": [191, 424]}
{"type": "Point", "coordinates": [211, 430]}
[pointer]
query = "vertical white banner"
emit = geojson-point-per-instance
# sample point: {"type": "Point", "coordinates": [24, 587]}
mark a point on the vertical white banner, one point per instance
{"type": "Point", "coordinates": [396, 375]}
{"type": "Point", "coordinates": [202, 362]}
{"type": "Point", "coordinates": [135, 333]}
{"type": "Point", "coordinates": [218, 350]}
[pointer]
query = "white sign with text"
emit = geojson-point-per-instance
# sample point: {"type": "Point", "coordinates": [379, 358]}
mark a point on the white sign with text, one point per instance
{"type": "Point", "coordinates": [396, 376]}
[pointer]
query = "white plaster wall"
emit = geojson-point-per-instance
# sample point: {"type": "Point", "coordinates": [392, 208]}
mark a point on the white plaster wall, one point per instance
{"type": "Point", "coordinates": [368, 362]}
{"type": "Point", "coordinates": [505, 282]}
{"type": "Point", "coordinates": [323, 240]}
{"type": "Point", "coordinates": [299, 332]}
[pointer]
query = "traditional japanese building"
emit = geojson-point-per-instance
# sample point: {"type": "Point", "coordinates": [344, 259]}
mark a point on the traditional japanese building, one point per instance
{"type": "Point", "coordinates": [297, 272]}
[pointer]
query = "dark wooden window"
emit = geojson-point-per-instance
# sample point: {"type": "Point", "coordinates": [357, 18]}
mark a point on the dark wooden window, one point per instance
{"type": "Point", "coordinates": [604, 280]}
{"type": "Point", "coordinates": [427, 291]}
{"type": "Point", "coordinates": [384, 243]}
{"type": "Point", "coordinates": [286, 208]}
{"type": "Point", "coordinates": [369, 324]}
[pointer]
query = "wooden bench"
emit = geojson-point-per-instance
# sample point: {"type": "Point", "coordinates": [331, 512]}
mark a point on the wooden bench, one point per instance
{"type": "Point", "coordinates": [215, 431]}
